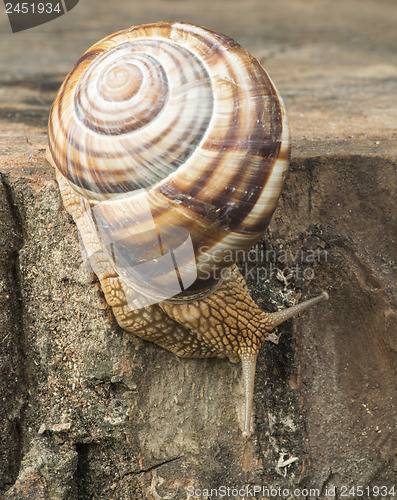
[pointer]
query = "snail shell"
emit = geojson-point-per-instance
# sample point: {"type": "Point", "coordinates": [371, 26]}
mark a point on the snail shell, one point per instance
{"type": "Point", "coordinates": [170, 144]}
{"type": "Point", "coordinates": [172, 126]}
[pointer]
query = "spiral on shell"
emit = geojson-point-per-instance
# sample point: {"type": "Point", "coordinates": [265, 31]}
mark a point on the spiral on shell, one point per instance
{"type": "Point", "coordinates": [172, 126]}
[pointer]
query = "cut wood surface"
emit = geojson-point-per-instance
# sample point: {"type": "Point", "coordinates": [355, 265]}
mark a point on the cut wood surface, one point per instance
{"type": "Point", "coordinates": [90, 411]}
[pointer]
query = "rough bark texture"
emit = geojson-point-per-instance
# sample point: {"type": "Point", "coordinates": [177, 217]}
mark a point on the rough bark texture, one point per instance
{"type": "Point", "coordinates": [90, 411]}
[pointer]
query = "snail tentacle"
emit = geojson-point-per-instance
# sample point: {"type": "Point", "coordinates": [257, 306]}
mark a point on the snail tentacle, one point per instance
{"type": "Point", "coordinates": [248, 364]}
{"type": "Point", "coordinates": [276, 318]}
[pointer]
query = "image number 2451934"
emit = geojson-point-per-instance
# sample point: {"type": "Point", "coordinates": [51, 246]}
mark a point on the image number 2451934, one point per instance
{"type": "Point", "coordinates": [25, 15]}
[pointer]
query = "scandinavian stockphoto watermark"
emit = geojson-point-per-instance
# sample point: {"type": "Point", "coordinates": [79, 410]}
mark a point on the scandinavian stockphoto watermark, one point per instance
{"type": "Point", "coordinates": [260, 263]}
{"type": "Point", "coordinates": [24, 15]}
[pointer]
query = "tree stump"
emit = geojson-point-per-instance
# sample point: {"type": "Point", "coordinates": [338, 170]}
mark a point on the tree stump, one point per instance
{"type": "Point", "coordinates": [91, 412]}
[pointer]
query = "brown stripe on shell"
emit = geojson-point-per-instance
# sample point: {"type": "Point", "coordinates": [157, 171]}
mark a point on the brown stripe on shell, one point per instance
{"type": "Point", "coordinates": [215, 43]}
{"type": "Point", "coordinates": [217, 50]}
{"type": "Point", "coordinates": [256, 145]}
{"type": "Point", "coordinates": [79, 66]}
{"type": "Point", "coordinates": [162, 29]}
{"type": "Point", "coordinates": [91, 53]}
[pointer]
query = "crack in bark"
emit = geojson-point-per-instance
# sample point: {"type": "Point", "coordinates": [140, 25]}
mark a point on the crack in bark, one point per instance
{"type": "Point", "coordinates": [152, 467]}
{"type": "Point", "coordinates": [12, 343]}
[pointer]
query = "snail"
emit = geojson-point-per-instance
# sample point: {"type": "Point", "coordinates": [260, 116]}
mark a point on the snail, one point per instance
{"type": "Point", "coordinates": [170, 145]}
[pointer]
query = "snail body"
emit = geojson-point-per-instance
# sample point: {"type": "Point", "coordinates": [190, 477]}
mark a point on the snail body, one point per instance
{"type": "Point", "coordinates": [170, 145]}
